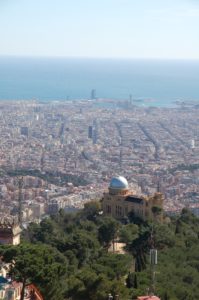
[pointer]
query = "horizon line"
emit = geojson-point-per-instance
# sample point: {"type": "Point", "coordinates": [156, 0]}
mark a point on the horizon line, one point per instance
{"type": "Point", "coordinates": [98, 57]}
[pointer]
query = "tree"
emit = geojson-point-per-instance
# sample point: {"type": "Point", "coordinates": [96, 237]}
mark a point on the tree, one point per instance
{"type": "Point", "coordinates": [130, 281]}
{"type": "Point", "coordinates": [107, 231]}
{"type": "Point", "coordinates": [133, 218]}
{"type": "Point", "coordinates": [93, 273]}
{"type": "Point", "coordinates": [163, 236]}
{"type": "Point", "coordinates": [113, 265]}
{"type": "Point", "coordinates": [128, 233]}
{"type": "Point", "coordinates": [139, 248]}
{"type": "Point", "coordinates": [40, 232]}
{"type": "Point", "coordinates": [91, 210]}
{"type": "Point", "coordinates": [166, 297]}
{"type": "Point", "coordinates": [37, 264]}
{"type": "Point", "coordinates": [156, 210]}
{"type": "Point", "coordinates": [135, 283]}
{"type": "Point", "coordinates": [85, 246]}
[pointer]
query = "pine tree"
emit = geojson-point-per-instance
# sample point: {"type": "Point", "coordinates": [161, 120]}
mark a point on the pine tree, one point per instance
{"type": "Point", "coordinates": [130, 281]}
{"type": "Point", "coordinates": [135, 283]}
{"type": "Point", "coordinates": [165, 297]}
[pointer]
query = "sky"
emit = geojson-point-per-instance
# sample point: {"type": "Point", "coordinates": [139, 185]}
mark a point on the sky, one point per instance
{"type": "Point", "coordinates": [159, 29]}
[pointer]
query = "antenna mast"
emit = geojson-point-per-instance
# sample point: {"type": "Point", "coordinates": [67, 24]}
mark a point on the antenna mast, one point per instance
{"type": "Point", "coordinates": [20, 186]}
{"type": "Point", "coordinates": [153, 263]}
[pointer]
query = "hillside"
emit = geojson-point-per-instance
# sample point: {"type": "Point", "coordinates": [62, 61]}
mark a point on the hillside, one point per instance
{"type": "Point", "coordinates": [67, 256]}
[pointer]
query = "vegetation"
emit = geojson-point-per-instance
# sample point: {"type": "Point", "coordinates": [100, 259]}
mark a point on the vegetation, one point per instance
{"type": "Point", "coordinates": [56, 178]}
{"type": "Point", "coordinates": [183, 167]}
{"type": "Point", "coordinates": [38, 264]}
{"type": "Point", "coordinates": [66, 257]}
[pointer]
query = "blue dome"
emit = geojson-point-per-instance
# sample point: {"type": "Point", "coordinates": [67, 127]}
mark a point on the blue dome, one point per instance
{"type": "Point", "coordinates": [118, 183]}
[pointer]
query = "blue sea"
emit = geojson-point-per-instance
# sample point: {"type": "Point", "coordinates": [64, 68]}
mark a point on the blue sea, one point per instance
{"type": "Point", "coordinates": [161, 82]}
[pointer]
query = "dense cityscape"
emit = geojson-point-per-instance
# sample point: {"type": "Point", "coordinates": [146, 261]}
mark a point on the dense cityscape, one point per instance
{"type": "Point", "coordinates": [67, 152]}
{"type": "Point", "coordinates": [99, 151]}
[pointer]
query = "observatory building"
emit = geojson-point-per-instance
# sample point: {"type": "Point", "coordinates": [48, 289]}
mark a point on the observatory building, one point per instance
{"type": "Point", "coordinates": [119, 201]}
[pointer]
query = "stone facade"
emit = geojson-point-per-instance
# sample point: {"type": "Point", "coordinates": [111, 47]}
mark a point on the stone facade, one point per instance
{"type": "Point", "coordinates": [119, 201]}
{"type": "Point", "coordinates": [9, 232]}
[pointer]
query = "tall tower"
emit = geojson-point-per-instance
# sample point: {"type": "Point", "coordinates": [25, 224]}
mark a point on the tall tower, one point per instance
{"type": "Point", "coordinates": [121, 159]}
{"type": "Point", "coordinates": [153, 263]}
{"type": "Point", "coordinates": [93, 94]}
{"type": "Point", "coordinates": [90, 132]}
{"type": "Point", "coordinates": [192, 144]}
{"type": "Point", "coordinates": [20, 186]}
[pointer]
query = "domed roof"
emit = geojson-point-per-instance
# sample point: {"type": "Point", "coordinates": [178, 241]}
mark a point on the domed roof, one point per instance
{"type": "Point", "coordinates": [118, 183]}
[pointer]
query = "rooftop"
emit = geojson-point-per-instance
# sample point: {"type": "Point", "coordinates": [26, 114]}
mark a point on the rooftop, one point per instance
{"type": "Point", "coordinates": [148, 298]}
{"type": "Point", "coordinates": [134, 199]}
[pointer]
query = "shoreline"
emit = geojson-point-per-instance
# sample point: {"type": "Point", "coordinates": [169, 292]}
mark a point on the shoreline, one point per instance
{"type": "Point", "coordinates": [110, 103]}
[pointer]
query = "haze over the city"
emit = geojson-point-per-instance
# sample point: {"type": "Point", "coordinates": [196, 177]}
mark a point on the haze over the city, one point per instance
{"type": "Point", "coordinates": [107, 28]}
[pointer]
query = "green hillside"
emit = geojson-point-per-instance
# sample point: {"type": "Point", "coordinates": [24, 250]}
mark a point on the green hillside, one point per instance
{"type": "Point", "coordinates": [67, 256]}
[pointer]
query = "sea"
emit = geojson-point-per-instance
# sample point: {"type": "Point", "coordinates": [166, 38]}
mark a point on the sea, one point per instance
{"type": "Point", "coordinates": [150, 82]}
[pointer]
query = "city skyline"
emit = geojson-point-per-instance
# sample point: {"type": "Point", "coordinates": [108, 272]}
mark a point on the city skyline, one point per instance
{"type": "Point", "coordinates": [111, 29]}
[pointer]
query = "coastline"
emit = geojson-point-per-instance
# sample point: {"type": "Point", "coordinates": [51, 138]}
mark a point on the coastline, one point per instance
{"type": "Point", "coordinates": [159, 83]}
{"type": "Point", "coordinates": [108, 103]}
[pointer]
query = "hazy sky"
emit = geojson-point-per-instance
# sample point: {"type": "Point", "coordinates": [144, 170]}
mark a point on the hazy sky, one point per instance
{"type": "Point", "coordinates": [100, 28]}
